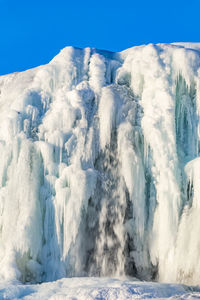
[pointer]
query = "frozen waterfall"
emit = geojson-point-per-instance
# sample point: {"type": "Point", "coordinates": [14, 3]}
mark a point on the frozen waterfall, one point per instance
{"type": "Point", "coordinates": [100, 166]}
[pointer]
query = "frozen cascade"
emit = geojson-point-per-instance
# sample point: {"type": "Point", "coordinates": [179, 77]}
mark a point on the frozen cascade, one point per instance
{"type": "Point", "coordinates": [100, 166]}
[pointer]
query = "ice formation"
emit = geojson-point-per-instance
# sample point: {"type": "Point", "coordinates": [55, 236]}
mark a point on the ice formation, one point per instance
{"type": "Point", "coordinates": [100, 166]}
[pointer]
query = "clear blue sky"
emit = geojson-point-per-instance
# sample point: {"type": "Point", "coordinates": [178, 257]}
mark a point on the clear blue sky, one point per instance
{"type": "Point", "coordinates": [33, 31]}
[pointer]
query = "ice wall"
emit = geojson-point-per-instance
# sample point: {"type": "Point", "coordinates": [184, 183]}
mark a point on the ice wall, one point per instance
{"type": "Point", "coordinates": [100, 166]}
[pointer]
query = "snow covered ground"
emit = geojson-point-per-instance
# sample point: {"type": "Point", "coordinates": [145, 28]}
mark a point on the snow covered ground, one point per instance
{"type": "Point", "coordinates": [96, 288]}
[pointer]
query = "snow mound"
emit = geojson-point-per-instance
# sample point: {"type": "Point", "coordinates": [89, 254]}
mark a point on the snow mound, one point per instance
{"type": "Point", "coordinates": [98, 289]}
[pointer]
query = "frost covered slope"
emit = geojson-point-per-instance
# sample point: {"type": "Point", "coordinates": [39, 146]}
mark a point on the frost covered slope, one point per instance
{"type": "Point", "coordinates": [100, 166]}
{"type": "Point", "coordinates": [88, 288]}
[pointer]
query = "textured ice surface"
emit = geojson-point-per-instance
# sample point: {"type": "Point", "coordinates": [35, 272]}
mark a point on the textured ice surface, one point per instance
{"type": "Point", "coordinates": [96, 289]}
{"type": "Point", "coordinates": [100, 167]}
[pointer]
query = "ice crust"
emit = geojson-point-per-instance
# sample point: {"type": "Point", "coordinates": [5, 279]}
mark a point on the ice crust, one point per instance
{"type": "Point", "coordinates": [90, 288]}
{"type": "Point", "coordinates": [100, 166]}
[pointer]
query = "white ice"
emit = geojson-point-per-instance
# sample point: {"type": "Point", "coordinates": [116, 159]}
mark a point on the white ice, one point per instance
{"type": "Point", "coordinates": [100, 166]}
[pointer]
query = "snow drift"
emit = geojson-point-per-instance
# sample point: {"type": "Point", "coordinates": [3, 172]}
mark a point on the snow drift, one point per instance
{"type": "Point", "coordinates": [100, 166]}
